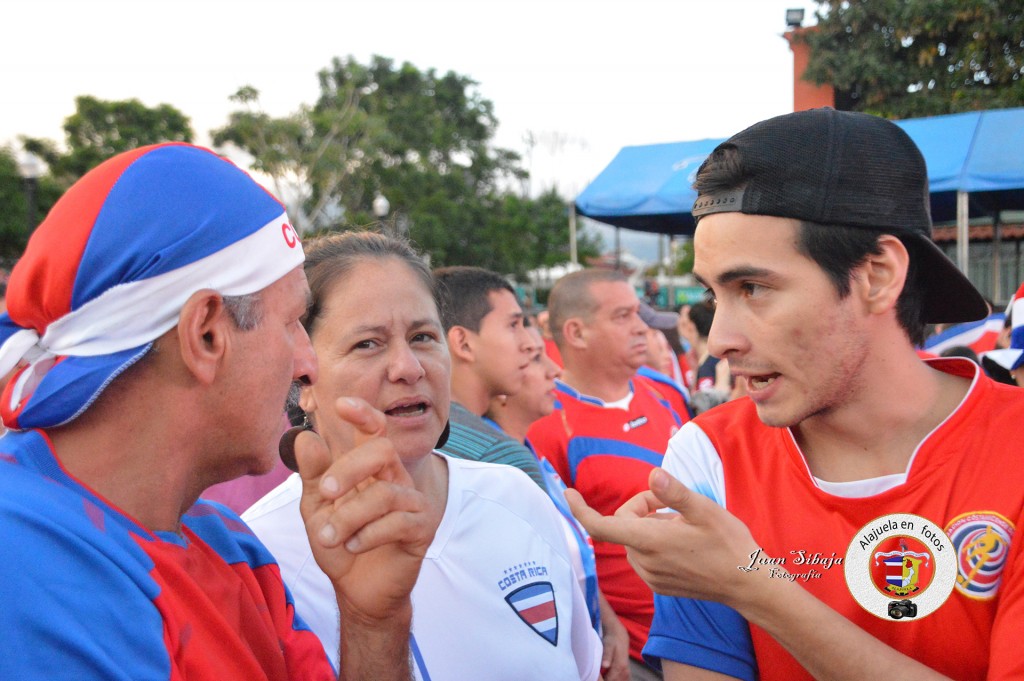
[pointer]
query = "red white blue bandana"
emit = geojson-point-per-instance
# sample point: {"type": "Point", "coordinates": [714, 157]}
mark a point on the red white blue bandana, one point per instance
{"type": "Point", "coordinates": [110, 268]}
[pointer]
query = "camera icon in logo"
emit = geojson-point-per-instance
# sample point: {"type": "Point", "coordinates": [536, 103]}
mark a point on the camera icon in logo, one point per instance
{"type": "Point", "coordinates": [900, 609]}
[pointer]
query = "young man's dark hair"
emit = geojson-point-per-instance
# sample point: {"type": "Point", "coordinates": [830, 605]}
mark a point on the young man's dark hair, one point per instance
{"type": "Point", "coordinates": [471, 304]}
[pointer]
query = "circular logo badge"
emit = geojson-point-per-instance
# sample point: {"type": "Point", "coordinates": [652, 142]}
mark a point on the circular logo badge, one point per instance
{"type": "Point", "coordinates": [982, 543]}
{"type": "Point", "coordinates": [900, 567]}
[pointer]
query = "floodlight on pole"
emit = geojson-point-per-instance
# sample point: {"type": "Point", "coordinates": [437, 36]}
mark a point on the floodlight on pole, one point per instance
{"type": "Point", "coordinates": [794, 18]}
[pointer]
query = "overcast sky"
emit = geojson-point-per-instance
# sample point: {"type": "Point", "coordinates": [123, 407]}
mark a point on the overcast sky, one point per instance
{"type": "Point", "coordinates": [585, 77]}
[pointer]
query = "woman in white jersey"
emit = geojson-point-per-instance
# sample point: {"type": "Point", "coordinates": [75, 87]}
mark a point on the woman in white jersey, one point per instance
{"type": "Point", "coordinates": [496, 597]}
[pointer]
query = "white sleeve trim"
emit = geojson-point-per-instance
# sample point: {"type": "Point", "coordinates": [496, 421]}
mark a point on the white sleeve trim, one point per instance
{"type": "Point", "coordinates": [694, 461]}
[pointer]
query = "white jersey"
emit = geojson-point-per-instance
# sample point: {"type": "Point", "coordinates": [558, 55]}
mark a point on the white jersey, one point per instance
{"type": "Point", "coordinates": [496, 596]}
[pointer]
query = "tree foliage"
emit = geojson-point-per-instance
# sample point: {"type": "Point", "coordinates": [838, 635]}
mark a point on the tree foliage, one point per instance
{"type": "Point", "coordinates": [422, 139]}
{"type": "Point", "coordinates": [906, 58]}
{"type": "Point", "coordinates": [684, 257]}
{"type": "Point", "coordinates": [100, 129]}
{"type": "Point", "coordinates": [14, 218]}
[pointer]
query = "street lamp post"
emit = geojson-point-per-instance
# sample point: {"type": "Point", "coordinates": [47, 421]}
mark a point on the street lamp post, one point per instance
{"type": "Point", "coordinates": [381, 206]}
{"type": "Point", "coordinates": [30, 168]}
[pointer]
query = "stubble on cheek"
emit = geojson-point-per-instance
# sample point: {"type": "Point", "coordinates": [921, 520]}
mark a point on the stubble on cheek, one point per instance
{"type": "Point", "coordinates": [831, 356]}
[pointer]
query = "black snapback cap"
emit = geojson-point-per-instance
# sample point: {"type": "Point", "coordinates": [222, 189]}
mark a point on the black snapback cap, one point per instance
{"type": "Point", "coordinates": [852, 169]}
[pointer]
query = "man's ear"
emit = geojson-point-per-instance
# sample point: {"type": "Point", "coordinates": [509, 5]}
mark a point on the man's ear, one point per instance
{"type": "Point", "coordinates": [883, 274]}
{"type": "Point", "coordinates": [203, 328]}
{"type": "Point", "coordinates": [574, 331]}
{"type": "Point", "coordinates": [460, 343]}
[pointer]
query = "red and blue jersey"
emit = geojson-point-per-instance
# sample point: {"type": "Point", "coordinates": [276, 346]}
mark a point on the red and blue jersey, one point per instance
{"type": "Point", "coordinates": [89, 593]}
{"type": "Point", "coordinates": [607, 455]}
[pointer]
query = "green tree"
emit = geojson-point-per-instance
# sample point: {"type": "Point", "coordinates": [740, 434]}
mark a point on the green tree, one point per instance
{"type": "Point", "coordinates": [14, 217]}
{"type": "Point", "coordinates": [907, 58]}
{"type": "Point", "coordinates": [422, 139]}
{"type": "Point", "coordinates": [526, 233]}
{"type": "Point", "coordinates": [684, 257]}
{"type": "Point", "coordinates": [100, 129]}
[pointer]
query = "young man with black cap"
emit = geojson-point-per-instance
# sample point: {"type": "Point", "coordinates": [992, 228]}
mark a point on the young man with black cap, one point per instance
{"type": "Point", "coordinates": [870, 498]}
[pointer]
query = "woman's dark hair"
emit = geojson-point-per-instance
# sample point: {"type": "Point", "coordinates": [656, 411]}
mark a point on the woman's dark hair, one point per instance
{"type": "Point", "coordinates": [330, 258]}
{"type": "Point", "coordinates": [836, 249]}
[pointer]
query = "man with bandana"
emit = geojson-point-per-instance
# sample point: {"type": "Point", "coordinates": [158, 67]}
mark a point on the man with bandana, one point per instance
{"type": "Point", "coordinates": [154, 322]}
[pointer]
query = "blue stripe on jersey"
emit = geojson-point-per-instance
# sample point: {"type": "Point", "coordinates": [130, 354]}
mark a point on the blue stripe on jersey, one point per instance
{"type": "Point", "coordinates": [669, 383]}
{"type": "Point", "coordinates": [417, 656]}
{"type": "Point", "coordinates": [227, 534]}
{"type": "Point", "coordinates": [702, 634]}
{"type": "Point", "coordinates": [530, 591]}
{"type": "Point", "coordinates": [668, 406]}
{"type": "Point", "coordinates": [581, 448]}
{"type": "Point", "coordinates": [569, 390]}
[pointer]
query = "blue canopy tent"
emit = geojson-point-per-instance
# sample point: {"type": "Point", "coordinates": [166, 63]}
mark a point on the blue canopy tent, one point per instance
{"type": "Point", "coordinates": [647, 188]}
{"type": "Point", "coordinates": [980, 153]}
{"type": "Point", "coordinates": [975, 166]}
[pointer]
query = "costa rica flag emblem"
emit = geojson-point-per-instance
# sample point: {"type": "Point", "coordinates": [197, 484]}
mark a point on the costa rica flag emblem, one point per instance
{"type": "Point", "coordinates": [535, 605]}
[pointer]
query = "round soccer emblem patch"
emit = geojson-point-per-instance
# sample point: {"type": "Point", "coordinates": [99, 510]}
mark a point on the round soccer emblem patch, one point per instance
{"type": "Point", "coordinates": [982, 543]}
{"type": "Point", "coordinates": [900, 567]}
